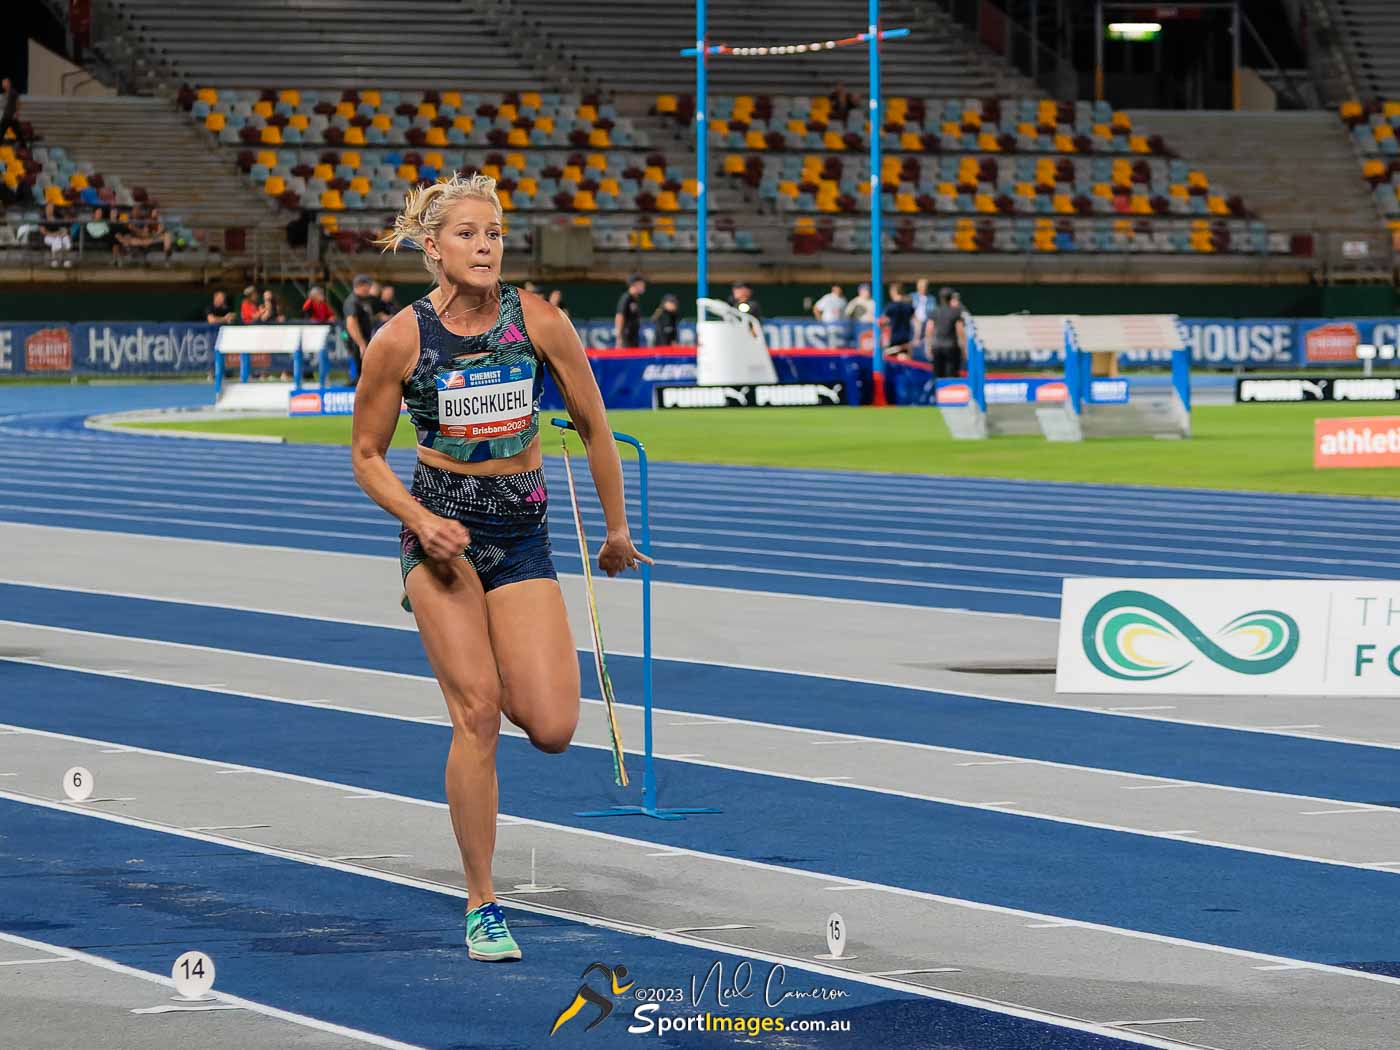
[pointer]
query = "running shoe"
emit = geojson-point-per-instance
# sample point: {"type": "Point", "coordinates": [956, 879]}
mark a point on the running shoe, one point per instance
{"type": "Point", "coordinates": [488, 939]}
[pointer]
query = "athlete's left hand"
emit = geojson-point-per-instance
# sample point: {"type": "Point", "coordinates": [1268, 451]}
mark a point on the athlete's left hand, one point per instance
{"type": "Point", "coordinates": [620, 554]}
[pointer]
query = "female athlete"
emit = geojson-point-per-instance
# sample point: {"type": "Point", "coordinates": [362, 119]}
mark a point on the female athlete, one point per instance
{"type": "Point", "coordinates": [468, 359]}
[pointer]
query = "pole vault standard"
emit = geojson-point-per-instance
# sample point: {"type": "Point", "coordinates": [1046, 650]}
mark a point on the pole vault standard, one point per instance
{"type": "Point", "coordinates": [701, 52]}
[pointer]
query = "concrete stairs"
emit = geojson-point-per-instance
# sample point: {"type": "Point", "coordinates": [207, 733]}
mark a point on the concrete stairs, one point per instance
{"type": "Point", "coordinates": [1298, 170]}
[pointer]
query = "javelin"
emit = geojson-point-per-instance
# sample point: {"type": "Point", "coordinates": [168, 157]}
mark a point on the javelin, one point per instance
{"type": "Point", "coordinates": [793, 49]}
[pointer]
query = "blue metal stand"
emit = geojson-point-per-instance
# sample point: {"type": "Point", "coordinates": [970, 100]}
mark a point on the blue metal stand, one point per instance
{"type": "Point", "coordinates": [648, 808]}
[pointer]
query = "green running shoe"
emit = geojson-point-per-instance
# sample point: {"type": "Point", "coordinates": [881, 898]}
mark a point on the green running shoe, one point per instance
{"type": "Point", "coordinates": [488, 939]}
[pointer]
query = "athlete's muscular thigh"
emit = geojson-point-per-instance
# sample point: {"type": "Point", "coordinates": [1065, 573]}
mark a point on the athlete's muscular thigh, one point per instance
{"type": "Point", "coordinates": [452, 620]}
{"type": "Point", "coordinates": [536, 658]}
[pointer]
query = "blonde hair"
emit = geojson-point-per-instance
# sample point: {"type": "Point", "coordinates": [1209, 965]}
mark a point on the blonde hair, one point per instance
{"type": "Point", "coordinates": [425, 211]}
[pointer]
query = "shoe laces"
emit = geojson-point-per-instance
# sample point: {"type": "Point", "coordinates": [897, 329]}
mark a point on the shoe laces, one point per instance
{"type": "Point", "coordinates": [493, 922]}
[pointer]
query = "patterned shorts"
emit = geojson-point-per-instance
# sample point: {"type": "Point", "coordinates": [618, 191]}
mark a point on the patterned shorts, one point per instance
{"type": "Point", "coordinates": [504, 514]}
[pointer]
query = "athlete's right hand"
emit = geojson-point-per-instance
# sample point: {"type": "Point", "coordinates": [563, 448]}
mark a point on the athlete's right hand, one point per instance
{"type": "Point", "coordinates": [442, 538]}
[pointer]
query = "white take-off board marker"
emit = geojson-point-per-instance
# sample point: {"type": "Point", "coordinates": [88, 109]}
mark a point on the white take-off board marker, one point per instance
{"type": "Point", "coordinates": [835, 938]}
{"type": "Point", "coordinates": [193, 974]}
{"type": "Point", "coordinates": [77, 784]}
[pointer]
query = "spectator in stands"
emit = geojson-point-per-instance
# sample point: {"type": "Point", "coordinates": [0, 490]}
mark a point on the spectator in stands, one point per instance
{"type": "Point", "coordinates": [358, 311]}
{"type": "Point", "coordinates": [898, 323]}
{"type": "Point", "coordinates": [272, 311]}
{"type": "Point", "coordinates": [145, 231]}
{"type": "Point", "coordinates": [219, 311]}
{"type": "Point", "coordinates": [668, 321]}
{"type": "Point", "coordinates": [60, 246]}
{"type": "Point", "coordinates": [947, 333]}
{"type": "Point", "coordinates": [742, 300]}
{"type": "Point", "coordinates": [386, 306]}
{"type": "Point", "coordinates": [627, 318]}
{"type": "Point", "coordinates": [556, 300]}
{"type": "Point", "coordinates": [842, 101]}
{"type": "Point", "coordinates": [315, 309]}
{"type": "Point", "coordinates": [9, 116]}
{"type": "Point", "coordinates": [831, 308]}
{"type": "Point", "coordinates": [250, 310]}
{"type": "Point", "coordinates": [95, 235]}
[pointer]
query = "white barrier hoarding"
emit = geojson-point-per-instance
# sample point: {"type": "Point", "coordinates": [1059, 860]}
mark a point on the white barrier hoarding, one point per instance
{"type": "Point", "coordinates": [1230, 637]}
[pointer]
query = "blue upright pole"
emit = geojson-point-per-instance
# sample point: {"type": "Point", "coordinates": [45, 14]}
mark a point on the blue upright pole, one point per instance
{"type": "Point", "coordinates": [877, 269]}
{"type": "Point", "coordinates": [702, 159]}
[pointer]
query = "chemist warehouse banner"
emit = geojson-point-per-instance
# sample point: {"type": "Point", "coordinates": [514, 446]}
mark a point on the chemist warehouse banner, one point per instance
{"type": "Point", "coordinates": [140, 348]}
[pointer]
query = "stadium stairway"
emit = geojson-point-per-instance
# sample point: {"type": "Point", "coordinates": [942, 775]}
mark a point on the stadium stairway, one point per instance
{"type": "Point", "coordinates": [124, 135]}
{"type": "Point", "coordinates": [1297, 170]}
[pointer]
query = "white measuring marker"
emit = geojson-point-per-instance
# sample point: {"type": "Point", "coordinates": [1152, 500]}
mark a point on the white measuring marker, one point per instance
{"type": "Point", "coordinates": [193, 974]}
{"type": "Point", "coordinates": [532, 886]}
{"type": "Point", "coordinates": [835, 938]}
{"type": "Point", "coordinates": [77, 784]}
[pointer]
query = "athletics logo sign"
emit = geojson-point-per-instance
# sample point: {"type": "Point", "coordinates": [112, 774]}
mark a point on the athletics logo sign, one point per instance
{"type": "Point", "coordinates": [1135, 636]}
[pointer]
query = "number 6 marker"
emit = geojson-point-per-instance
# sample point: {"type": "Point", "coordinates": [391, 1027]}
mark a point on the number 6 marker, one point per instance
{"type": "Point", "coordinates": [77, 784]}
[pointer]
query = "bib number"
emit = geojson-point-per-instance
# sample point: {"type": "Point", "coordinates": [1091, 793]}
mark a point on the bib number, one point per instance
{"type": "Point", "coordinates": [484, 403]}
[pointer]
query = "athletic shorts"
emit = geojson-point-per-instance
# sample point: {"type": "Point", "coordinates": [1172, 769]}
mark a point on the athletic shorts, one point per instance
{"type": "Point", "coordinates": [504, 515]}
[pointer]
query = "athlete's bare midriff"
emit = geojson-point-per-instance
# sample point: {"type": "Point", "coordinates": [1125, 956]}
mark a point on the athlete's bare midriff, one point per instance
{"type": "Point", "coordinates": [530, 458]}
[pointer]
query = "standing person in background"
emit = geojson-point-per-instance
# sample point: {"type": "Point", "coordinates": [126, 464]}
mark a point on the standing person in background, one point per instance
{"type": "Point", "coordinates": [898, 323]}
{"type": "Point", "coordinates": [250, 310]}
{"type": "Point", "coordinates": [556, 300]}
{"type": "Point", "coordinates": [627, 318]}
{"type": "Point", "coordinates": [359, 319]}
{"type": "Point", "coordinates": [743, 300]}
{"type": "Point", "coordinates": [668, 321]}
{"type": "Point", "coordinates": [830, 308]}
{"type": "Point", "coordinates": [386, 306]}
{"type": "Point", "coordinates": [859, 311]}
{"type": "Point", "coordinates": [947, 333]}
{"type": "Point", "coordinates": [924, 305]}
{"type": "Point", "coordinates": [219, 311]}
{"type": "Point", "coordinates": [9, 117]}
{"type": "Point", "coordinates": [315, 308]}
{"type": "Point", "coordinates": [272, 309]}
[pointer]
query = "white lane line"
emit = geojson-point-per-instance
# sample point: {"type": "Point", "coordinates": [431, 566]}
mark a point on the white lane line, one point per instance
{"type": "Point", "coordinates": [829, 780]}
{"type": "Point", "coordinates": [112, 966]}
{"type": "Point", "coordinates": [373, 856]}
{"type": "Point", "coordinates": [1277, 729]}
{"type": "Point", "coordinates": [1383, 864]}
{"type": "Point", "coordinates": [1145, 707]}
{"type": "Point", "coordinates": [700, 760]}
{"type": "Point", "coordinates": [1281, 966]}
{"type": "Point", "coordinates": [194, 1008]}
{"type": "Point", "coordinates": [36, 962]}
{"type": "Point", "coordinates": [675, 758]}
{"type": "Point", "coordinates": [1159, 787]}
{"type": "Point", "coordinates": [1157, 1020]}
{"type": "Point", "coordinates": [1349, 809]}
{"type": "Point", "coordinates": [230, 827]}
{"type": "Point", "coordinates": [1050, 925]}
{"type": "Point", "coordinates": [910, 973]}
{"type": "Point", "coordinates": [589, 920]}
{"type": "Point", "coordinates": [669, 853]}
{"type": "Point", "coordinates": [710, 929]}
{"type": "Point", "coordinates": [743, 862]}
{"type": "Point", "coordinates": [1182, 831]}
{"type": "Point", "coordinates": [995, 762]}
{"type": "Point", "coordinates": [356, 798]}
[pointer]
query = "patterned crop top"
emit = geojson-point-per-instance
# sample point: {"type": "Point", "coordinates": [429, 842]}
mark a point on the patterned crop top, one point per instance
{"type": "Point", "coordinates": [475, 397]}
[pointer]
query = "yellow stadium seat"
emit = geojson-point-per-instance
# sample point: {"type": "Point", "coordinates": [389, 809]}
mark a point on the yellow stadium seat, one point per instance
{"type": "Point", "coordinates": [330, 199]}
{"type": "Point", "coordinates": [78, 181]}
{"type": "Point", "coordinates": [373, 97]}
{"type": "Point", "coordinates": [972, 117]}
{"type": "Point", "coordinates": [755, 140]}
{"type": "Point", "coordinates": [291, 96]}
{"type": "Point", "coordinates": [462, 123]}
{"type": "Point", "coordinates": [1382, 131]}
{"type": "Point", "coordinates": [1044, 240]}
{"type": "Point", "coordinates": [1025, 189]}
{"type": "Point", "coordinates": [54, 195]}
{"type": "Point", "coordinates": [1122, 120]}
{"type": "Point", "coordinates": [743, 106]}
{"type": "Point", "coordinates": [428, 110]}
{"type": "Point", "coordinates": [653, 173]}
{"type": "Point", "coordinates": [905, 202]}
{"type": "Point", "coordinates": [796, 127]}
{"type": "Point", "coordinates": [987, 142]}
{"type": "Point", "coordinates": [1140, 204]}
{"type": "Point", "coordinates": [1215, 204]}
{"type": "Point", "coordinates": [214, 122]}
{"type": "Point", "coordinates": [360, 185]}
{"type": "Point", "coordinates": [1197, 180]}
{"type": "Point", "coordinates": [950, 128]}
{"type": "Point", "coordinates": [578, 220]}
{"type": "Point", "coordinates": [329, 222]}
{"type": "Point", "coordinates": [345, 109]}
{"type": "Point", "coordinates": [583, 201]}
{"type": "Point", "coordinates": [666, 201]}
{"type": "Point", "coordinates": [1103, 131]}
{"type": "Point", "coordinates": [1373, 169]}
{"type": "Point", "coordinates": [600, 138]}
{"type": "Point", "coordinates": [719, 127]}
{"type": "Point", "coordinates": [596, 162]}
{"type": "Point", "coordinates": [207, 94]}
{"type": "Point", "coordinates": [507, 111]}
{"type": "Point", "coordinates": [408, 172]}
{"type": "Point", "coordinates": [271, 135]}
{"type": "Point", "coordinates": [531, 99]}
{"type": "Point", "coordinates": [300, 121]}
{"type": "Point", "coordinates": [1062, 203]}
{"type": "Point", "coordinates": [1138, 144]}
{"type": "Point", "coordinates": [492, 170]}
{"type": "Point", "coordinates": [1350, 110]}
{"type": "Point", "coordinates": [691, 186]}
{"type": "Point", "coordinates": [586, 112]}
{"type": "Point", "coordinates": [733, 164]}
{"type": "Point", "coordinates": [984, 202]}
{"type": "Point", "coordinates": [1102, 189]}
{"type": "Point", "coordinates": [354, 136]}
{"type": "Point", "coordinates": [573, 173]}
{"type": "Point", "coordinates": [1390, 109]}
{"type": "Point", "coordinates": [545, 124]}
{"type": "Point", "coordinates": [263, 108]}
{"type": "Point", "coordinates": [831, 140]}
{"type": "Point", "coordinates": [434, 137]}
{"type": "Point", "coordinates": [1178, 191]}
{"type": "Point", "coordinates": [528, 184]}
{"type": "Point", "coordinates": [506, 203]}
{"type": "Point", "coordinates": [383, 122]}
{"type": "Point", "coordinates": [610, 185]}
{"type": "Point", "coordinates": [911, 141]}
{"type": "Point", "coordinates": [1201, 242]}
{"type": "Point", "coordinates": [1065, 144]}
{"type": "Point", "coordinates": [274, 185]}
{"type": "Point", "coordinates": [515, 137]}
{"type": "Point", "coordinates": [947, 189]}
{"type": "Point", "coordinates": [351, 159]}
{"type": "Point", "coordinates": [267, 158]}
{"type": "Point", "coordinates": [667, 104]}
{"type": "Point", "coordinates": [788, 188]}
{"type": "Point", "coordinates": [323, 171]}
{"type": "Point", "coordinates": [452, 98]}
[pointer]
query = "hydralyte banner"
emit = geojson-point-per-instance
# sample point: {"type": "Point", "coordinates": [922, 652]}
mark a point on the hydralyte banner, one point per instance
{"type": "Point", "coordinates": [1230, 637]}
{"type": "Point", "coordinates": [117, 348]}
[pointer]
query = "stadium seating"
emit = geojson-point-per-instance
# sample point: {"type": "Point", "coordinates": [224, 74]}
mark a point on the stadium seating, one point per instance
{"type": "Point", "coordinates": [1373, 129]}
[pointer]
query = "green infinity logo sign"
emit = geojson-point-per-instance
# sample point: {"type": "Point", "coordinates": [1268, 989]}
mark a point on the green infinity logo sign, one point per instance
{"type": "Point", "coordinates": [1134, 636]}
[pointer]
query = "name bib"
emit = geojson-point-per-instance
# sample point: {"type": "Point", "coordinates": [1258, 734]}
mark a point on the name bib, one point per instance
{"type": "Point", "coordinates": [483, 403]}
